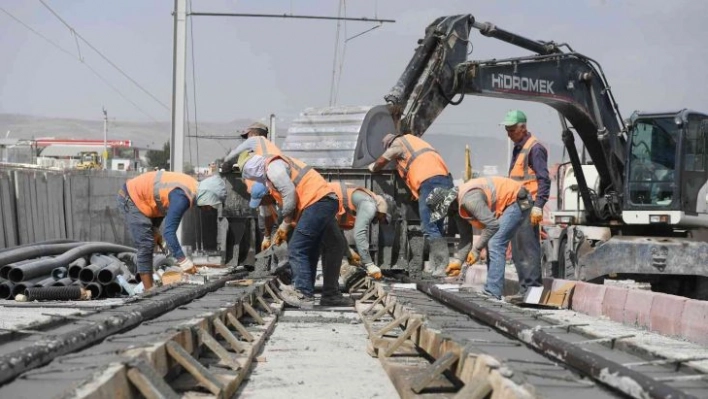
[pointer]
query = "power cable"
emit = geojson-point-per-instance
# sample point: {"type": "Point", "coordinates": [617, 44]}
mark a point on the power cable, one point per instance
{"type": "Point", "coordinates": [336, 54]}
{"type": "Point", "coordinates": [82, 61]}
{"type": "Point", "coordinates": [92, 47]}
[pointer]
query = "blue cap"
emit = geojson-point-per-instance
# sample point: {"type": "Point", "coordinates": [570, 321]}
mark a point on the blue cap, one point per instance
{"type": "Point", "coordinates": [258, 191]}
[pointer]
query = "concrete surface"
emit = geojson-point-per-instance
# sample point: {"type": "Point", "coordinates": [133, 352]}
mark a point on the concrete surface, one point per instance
{"type": "Point", "coordinates": [19, 318]}
{"type": "Point", "coordinates": [319, 353]}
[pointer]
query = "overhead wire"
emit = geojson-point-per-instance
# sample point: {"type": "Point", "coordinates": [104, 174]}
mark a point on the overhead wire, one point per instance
{"type": "Point", "coordinates": [336, 54]}
{"type": "Point", "coordinates": [105, 58]}
{"type": "Point", "coordinates": [82, 61]}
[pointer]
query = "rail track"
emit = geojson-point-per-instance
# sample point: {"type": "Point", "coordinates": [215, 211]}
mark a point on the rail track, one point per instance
{"type": "Point", "coordinates": [431, 340]}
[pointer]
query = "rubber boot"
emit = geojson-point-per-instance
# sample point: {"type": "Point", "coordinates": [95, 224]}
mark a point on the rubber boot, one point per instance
{"type": "Point", "coordinates": [439, 256]}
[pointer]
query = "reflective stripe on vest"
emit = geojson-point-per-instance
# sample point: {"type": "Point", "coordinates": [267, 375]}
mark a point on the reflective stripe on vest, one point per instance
{"type": "Point", "coordinates": [520, 170]}
{"type": "Point", "coordinates": [266, 148]}
{"type": "Point", "coordinates": [500, 193]}
{"type": "Point", "coordinates": [158, 185]}
{"type": "Point", "coordinates": [489, 186]}
{"type": "Point", "coordinates": [301, 172]}
{"type": "Point", "coordinates": [413, 155]}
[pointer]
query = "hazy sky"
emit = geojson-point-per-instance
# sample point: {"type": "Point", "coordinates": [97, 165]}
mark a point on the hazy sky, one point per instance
{"type": "Point", "coordinates": [653, 52]}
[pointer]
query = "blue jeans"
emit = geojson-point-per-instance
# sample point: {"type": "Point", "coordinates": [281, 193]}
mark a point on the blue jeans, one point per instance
{"type": "Point", "coordinates": [526, 253]}
{"type": "Point", "coordinates": [431, 230]}
{"type": "Point", "coordinates": [140, 227]}
{"type": "Point", "coordinates": [304, 246]}
{"type": "Point", "coordinates": [509, 222]}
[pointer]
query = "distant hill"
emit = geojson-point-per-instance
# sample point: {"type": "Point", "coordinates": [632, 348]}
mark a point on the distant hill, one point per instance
{"type": "Point", "coordinates": [485, 150]}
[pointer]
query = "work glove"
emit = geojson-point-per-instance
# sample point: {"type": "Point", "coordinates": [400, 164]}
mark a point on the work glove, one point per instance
{"type": "Point", "coordinates": [265, 244]}
{"type": "Point", "coordinates": [354, 259]}
{"type": "Point", "coordinates": [472, 257]}
{"type": "Point", "coordinates": [186, 265]}
{"type": "Point", "coordinates": [282, 234]}
{"type": "Point", "coordinates": [371, 167]}
{"type": "Point", "coordinates": [536, 215]}
{"type": "Point", "coordinates": [373, 271]}
{"type": "Point", "coordinates": [454, 267]}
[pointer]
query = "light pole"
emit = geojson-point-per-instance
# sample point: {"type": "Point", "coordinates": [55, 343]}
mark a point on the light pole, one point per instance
{"type": "Point", "coordinates": [105, 139]}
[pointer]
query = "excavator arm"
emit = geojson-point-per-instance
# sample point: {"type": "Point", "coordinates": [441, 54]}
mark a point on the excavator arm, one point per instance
{"type": "Point", "coordinates": [567, 81]}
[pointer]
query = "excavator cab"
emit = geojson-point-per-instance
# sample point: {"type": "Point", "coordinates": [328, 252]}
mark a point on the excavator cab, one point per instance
{"type": "Point", "coordinates": [667, 169]}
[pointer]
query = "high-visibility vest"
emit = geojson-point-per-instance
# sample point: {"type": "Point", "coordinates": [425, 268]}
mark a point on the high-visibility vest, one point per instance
{"type": "Point", "coordinates": [420, 162]}
{"type": "Point", "coordinates": [501, 192]}
{"type": "Point", "coordinates": [266, 147]}
{"type": "Point", "coordinates": [520, 170]}
{"type": "Point", "coordinates": [150, 191]}
{"type": "Point", "coordinates": [346, 216]}
{"type": "Point", "coordinates": [310, 186]}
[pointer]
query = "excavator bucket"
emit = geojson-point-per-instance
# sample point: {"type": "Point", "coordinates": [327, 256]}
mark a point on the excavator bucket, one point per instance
{"type": "Point", "coordinates": [339, 137]}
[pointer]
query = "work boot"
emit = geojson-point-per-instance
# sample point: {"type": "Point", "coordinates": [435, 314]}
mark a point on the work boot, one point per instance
{"type": "Point", "coordinates": [439, 256]}
{"type": "Point", "coordinates": [297, 299]}
{"type": "Point", "coordinates": [338, 300]}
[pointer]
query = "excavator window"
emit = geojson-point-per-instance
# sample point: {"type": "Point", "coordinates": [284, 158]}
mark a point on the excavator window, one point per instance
{"type": "Point", "coordinates": [653, 162]}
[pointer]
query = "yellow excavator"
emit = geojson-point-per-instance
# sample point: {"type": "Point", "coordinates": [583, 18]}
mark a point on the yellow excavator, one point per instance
{"type": "Point", "coordinates": [89, 160]}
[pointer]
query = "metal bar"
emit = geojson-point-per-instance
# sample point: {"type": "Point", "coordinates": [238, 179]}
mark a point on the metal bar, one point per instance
{"type": "Point", "coordinates": [586, 362]}
{"type": "Point", "coordinates": [433, 371]}
{"type": "Point", "coordinates": [228, 336]}
{"type": "Point", "coordinates": [193, 367]}
{"type": "Point", "coordinates": [293, 16]}
{"type": "Point", "coordinates": [410, 329]}
{"type": "Point", "coordinates": [239, 327]}
{"type": "Point", "coordinates": [148, 382]}
{"type": "Point", "coordinates": [665, 361]}
{"type": "Point", "coordinates": [218, 350]}
{"type": "Point", "coordinates": [612, 340]}
{"type": "Point", "coordinates": [253, 313]}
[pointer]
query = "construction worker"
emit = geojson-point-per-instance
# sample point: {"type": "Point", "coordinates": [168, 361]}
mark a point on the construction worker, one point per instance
{"type": "Point", "coordinates": [151, 197]}
{"type": "Point", "coordinates": [423, 169]}
{"type": "Point", "coordinates": [498, 206]}
{"type": "Point", "coordinates": [305, 198]}
{"type": "Point", "coordinates": [358, 208]}
{"type": "Point", "coordinates": [529, 166]}
{"type": "Point", "coordinates": [256, 136]}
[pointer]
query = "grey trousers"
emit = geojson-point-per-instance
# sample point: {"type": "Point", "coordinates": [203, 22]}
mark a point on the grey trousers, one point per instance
{"type": "Point", "coordinates": [334, 249]}
{"type": "Point", "coordinates": [140, 227]}
{"type": "Point", "coordinates": [526, 253]}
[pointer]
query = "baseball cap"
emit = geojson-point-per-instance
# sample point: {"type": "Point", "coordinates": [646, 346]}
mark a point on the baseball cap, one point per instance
{"type": "Point", "coordinates": [255, 126]}
{"type": "Point", "coordinates": [513, 117]}
{"type": "Point", "coordinates": [258, 191]}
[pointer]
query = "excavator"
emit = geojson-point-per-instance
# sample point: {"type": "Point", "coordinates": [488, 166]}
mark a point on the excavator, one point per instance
{"type": "Point", "coordinates": [632, 203]}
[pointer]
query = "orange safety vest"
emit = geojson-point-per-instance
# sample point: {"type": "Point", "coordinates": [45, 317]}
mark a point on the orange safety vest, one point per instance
{"type": "Point", "coordinates": [310, 186]}
{"type": "Point", "coordinates": [150, 191]}
{"type": "Point", "coordinates": [420, 163]}
{"type": "Point", "coordinates": [266, 147]}
{"type": "Point", "coordinates": [501, 192]}
{"type": "Point", "coordinates": [346, 216]}
{"type": "Point", "coordinates": [521, 171]}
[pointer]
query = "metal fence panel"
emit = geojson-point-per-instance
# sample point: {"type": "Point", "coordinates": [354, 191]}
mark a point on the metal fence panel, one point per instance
{"type": "Point", "coordinates": [8, 218]}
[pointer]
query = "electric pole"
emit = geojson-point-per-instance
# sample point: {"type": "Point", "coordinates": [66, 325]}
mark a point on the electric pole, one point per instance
{"type": "Point", "coordinates": [105, 138]}
{"type": "Point", "coordinates": [178, 86]}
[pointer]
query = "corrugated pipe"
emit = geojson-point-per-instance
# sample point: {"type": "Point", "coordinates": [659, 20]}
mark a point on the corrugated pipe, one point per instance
{"type": "Point", "coordinates": [53, 293]}
{"type": "Point", "coordinates": [42, 281]}
{"type": "Point", "coordinates": [64, 282]}
{"type": "Point", "coordinates": [35, 251]}
{"type": "Point", "coordinates": [6, 290]}
{"type": "Point", "coordinates": [75, 268]}
{"type": "Point", "coordinates": [42, 267]}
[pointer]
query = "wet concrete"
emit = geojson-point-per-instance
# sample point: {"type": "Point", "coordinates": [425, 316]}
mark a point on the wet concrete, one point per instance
{"type": "Point", "coordinates": [318, 354]}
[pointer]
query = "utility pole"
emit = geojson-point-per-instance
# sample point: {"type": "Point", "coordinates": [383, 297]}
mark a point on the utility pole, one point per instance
{"type": "Point", "coordinates": [178, 86]}
{"type": "Point", "coordinates": [105, 138]}
{"type": "Point", "coordinates": [271, 128]}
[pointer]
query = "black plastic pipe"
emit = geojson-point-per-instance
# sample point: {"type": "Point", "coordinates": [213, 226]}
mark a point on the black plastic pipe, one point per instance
{"type": "Point", "coordinates": [112, 289]}
{"type": "Point", "coordinates": [53, 293]}
{"type": "Point", "coordinates": [89, 273]}
{"type": "Point", "coordinates": [6, 288]}
{"type": "Point", "coordinates": [64, 282]}
{"type": "Point", "coordinates": [35, 251]}
{"type": "Point", "coordinates": [110, 272]}
{"type": "Point", "coordinates": [42, 267]}
{"type": "Point", "coordinates": [48, 242]}
{"type": "Point", "coordinates": [597, 367]}
{"type": "Point", "coordinates": [59, 273]}
{"type": "Point", "coordinates": [75, 268]}
{"type": "Point", "coordinates": [45, 282]}
{"type": "Point", "coordinates": [5, 270]}
{"type": "Point", "coordinates": [96, 290]}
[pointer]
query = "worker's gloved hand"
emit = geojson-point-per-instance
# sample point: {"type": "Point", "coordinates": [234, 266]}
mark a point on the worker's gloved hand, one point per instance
{"type": "Point", "coordinates": [226, 167]}
{"type": "Point", "coordinates": [472, 257]}
{"type": "Point", "coordinates": [454, 267]}
{"type": "Point", "coordinates": [186, 265]}
{"type": "Point", "coordinates": [372, 167]}
{"type": "Point", "coordinates": [354, 259]}
{"type": "Point", "coordinates": [265, 244]}
{"type": "Point", "coordinates": [282, 234]}
{"type": "Point", "coordinates": [536, 215]}
{"type": "Point", "coordinates": [373, 271]}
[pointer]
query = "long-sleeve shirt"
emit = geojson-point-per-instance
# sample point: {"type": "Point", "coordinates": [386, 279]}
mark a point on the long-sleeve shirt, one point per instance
{"type": "Point", "coordinates": [365, 212]}
{"type": "Point", "coordinates": [538, 161]}
{"type": "Point", "coordinates": [249, 144]}
{"type": "Point", "coordinates": [179, 204]}
{"type": "Point", "coordinates": [278, 173]}
{"type": "Point", "coordinates": [475, 202]}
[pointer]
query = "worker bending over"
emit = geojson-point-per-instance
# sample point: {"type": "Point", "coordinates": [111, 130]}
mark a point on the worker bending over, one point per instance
{"type": "Point", "coordinates": [358, 208]}
{"type": "Point", "coordinates": [151, 197]}
{"type": "Point", "coordinates": [498, 206]}
{"type": "Point", "coordinates": [423, 170]}
{"type": "Point", "coordinates": [529, 166]}
{"type": "Point", "coordinates": [256, 136]}
{"type": "Point", "coordinates": [304, 197]}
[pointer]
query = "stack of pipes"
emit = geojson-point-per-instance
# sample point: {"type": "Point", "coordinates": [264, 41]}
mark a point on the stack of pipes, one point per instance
{"type": "Point", "coordinates": [65, 271]}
